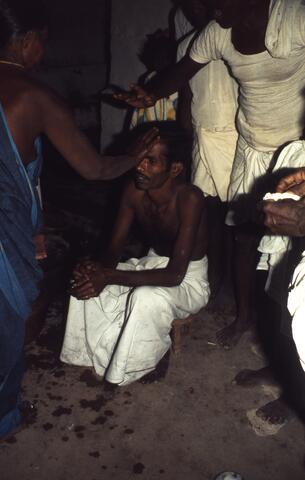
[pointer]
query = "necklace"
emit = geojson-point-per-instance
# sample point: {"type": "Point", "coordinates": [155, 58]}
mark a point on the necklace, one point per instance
{"type": "Point", "coordinates": [5, 62]}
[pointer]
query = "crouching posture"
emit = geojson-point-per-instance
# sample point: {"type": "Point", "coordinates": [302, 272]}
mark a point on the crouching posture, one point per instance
{"type": "Point", "coordinates": [120, 314]}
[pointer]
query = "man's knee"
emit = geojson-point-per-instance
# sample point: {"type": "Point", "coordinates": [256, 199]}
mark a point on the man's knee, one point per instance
{"type": "Point", "coordinates": [150, 298]}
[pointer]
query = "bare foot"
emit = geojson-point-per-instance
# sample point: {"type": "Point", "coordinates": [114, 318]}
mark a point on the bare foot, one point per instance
{"type": "Point", "coordinates": [276, 412]}
{"type": "Point", "coordinates": [159, 373]}
{"type": "Point", "coordinates": [228, 337]}
{"type": "Point", "coordinates": [253, 378]}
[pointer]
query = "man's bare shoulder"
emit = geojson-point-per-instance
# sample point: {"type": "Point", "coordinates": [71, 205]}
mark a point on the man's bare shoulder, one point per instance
{"type": "Point", "coordinates": [18, 91]}
{"type": "Point", "coordinates": [44, 94]}
{"type": "Point", "coordinates": [191, 194]}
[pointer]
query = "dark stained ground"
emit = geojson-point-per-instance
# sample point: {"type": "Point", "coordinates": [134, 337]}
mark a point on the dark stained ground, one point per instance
{"type": "Point", "coordinates": [191, 425]}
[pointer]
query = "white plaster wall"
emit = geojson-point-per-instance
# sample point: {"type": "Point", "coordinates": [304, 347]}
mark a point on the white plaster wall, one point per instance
{"type": "Point", "coordinates": [131, 21]}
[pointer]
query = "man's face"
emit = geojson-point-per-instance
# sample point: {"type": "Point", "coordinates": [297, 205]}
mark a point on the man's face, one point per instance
{"type": "Point", "coordinates": [153, 171]}
{"type": "Point", "coordinates": [197, 12]}
{"type": "Point", "coordinates": [228, 13]}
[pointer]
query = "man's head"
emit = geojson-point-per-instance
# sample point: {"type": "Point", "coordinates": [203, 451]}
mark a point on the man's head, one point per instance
{"type": "Point", "coordinates": [167, 159]}
{"type": "Point", "coordinates": [198, 12]}
{"type": "Point", "coordinates": [158, 51]}
{"type": "Point", "coordinates": [23, 28]}
{"type": "Point", "coordinates": [245, 14]}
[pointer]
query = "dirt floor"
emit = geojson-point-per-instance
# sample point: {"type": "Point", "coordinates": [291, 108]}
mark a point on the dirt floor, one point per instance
{"type": "Point", "coordinates": [191, 425]}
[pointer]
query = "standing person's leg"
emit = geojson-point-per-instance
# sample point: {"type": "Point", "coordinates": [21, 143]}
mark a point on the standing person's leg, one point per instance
{"type": "Point", "coordinates": [244, 264]}
{"type": "Point", "coordinates": [213, 156]}
{"type": "Point", "coordinates": [245, 190]}
{"type": "Point", "coordinates": [217, 246]}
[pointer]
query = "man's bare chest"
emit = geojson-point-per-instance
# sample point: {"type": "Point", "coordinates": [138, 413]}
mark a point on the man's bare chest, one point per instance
{"type": "Point", "coordinates": [158, 223]}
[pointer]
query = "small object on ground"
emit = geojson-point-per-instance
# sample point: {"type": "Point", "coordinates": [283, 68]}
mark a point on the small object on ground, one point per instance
{"type": "Point", "coordinates": [228, 476]}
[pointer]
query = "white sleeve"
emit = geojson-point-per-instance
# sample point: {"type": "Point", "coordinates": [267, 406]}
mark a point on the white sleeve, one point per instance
{"type": "Point", "coordinates": [299, 26]}
{"type": "Point", "coordinates": [209, 44]}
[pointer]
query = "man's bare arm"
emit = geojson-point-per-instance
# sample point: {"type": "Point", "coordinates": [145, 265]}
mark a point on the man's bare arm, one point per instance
{"type": "Point", "coordinates": [163, 85]}
{"type": "Point", "coordinates": [191, 205]}
{"type": "Point", "coordinates": [60, 127]}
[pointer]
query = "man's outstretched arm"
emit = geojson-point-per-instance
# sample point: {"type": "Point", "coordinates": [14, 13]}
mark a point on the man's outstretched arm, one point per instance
{"type": "Point", "coordinates": [174, 78]}
{"type": "Point", "coordinates": [60, 127]}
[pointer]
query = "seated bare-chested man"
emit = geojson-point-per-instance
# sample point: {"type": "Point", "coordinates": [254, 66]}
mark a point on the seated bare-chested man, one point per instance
{"type": "Point", "coordinates": [120, 314]}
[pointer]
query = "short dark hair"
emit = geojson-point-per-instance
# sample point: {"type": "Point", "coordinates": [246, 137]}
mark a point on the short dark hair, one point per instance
{"type": "Point", "coordinates": [177, 140]}
{"type": "Point", "coordinates": [17, 17]}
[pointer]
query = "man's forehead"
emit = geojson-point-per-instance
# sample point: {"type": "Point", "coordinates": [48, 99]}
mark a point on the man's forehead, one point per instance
{"type": "Point", "coordinates": [160, 146]}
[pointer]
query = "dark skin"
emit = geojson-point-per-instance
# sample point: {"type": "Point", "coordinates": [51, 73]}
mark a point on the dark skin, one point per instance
{"type": "Point", "coordinates": [31, 109]}
{"type": "Point", "coordinates": [172, 216]}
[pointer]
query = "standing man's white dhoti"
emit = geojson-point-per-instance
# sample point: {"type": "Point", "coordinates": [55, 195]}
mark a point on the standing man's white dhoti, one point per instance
{"type": "Point", "coordinates": [94, 325]}
{"type": "Point", "coordinates": [213, 109]}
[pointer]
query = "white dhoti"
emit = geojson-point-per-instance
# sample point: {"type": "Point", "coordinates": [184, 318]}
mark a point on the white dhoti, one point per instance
{"type": "Point", "coordinates": [248, 166]}
{"type": "Point", "coordinates": [296, 307]}
{"type": "Point", "coordinates": [94, 325]}
{"type": "Point", "coordinates": [213, 154]}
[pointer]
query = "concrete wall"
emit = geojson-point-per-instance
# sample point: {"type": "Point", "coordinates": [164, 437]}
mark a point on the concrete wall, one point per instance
{"type": "Point", "coordinates": [131, 21]}
{"type": "Point", "coordinates": [75, 62]}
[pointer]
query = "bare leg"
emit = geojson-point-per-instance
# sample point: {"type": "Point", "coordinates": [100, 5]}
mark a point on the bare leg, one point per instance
{"type": "Point", "coordinates": [245, 258]}
{"type": "Point", "coordinates": [216, 249]}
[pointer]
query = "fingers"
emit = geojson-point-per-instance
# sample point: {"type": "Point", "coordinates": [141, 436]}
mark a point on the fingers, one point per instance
{"type": "Point", "coordinates": [281, 208]}
{"type": "Point", "coordinates": [150, 138]}
{"type": "Point", "coordinates": [291, 180]}
{"type": "Point", "coordinates": [283, 217]}
{"type": "Point", "coordinates": [139, 91]}
{"type": "Point", "coordinates": [84, 291]}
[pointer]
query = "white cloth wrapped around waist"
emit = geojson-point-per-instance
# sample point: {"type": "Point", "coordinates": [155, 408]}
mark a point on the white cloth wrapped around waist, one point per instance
{"type": "Point", "coordinates": [94, 326]}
